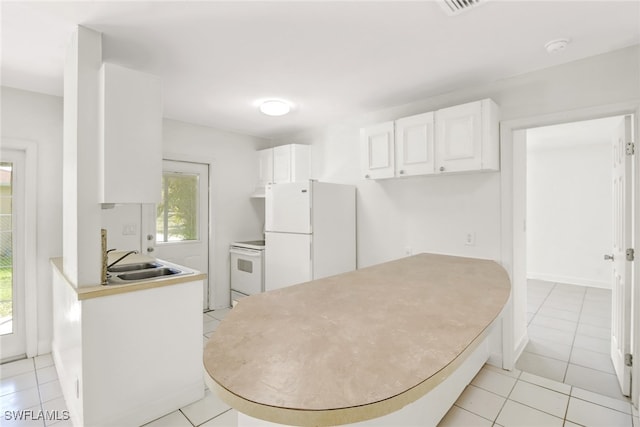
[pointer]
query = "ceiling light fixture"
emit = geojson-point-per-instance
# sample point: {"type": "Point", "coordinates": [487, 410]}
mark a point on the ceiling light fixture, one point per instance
{"type": "Point", "coordinates": [275, 107]}
{"type": "Point", "coordinates": [555, 46]}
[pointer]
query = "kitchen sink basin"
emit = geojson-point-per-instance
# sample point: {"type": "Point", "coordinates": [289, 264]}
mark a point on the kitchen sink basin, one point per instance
{"type": "Point", "coordinates": [149, 274]}
{"type": "Point", "coordinates": [133, 267]}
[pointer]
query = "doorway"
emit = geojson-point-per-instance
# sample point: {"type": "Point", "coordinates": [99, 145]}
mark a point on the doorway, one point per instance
{"type": "Point", "coordinates": [12, 262]}
{"type": "Point", "coordinates": [178, 229]}
{"type": "Point", "coordinates": [569, 196]}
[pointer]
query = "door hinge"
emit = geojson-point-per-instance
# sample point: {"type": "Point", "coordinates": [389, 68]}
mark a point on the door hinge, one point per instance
{"type": "Point", "coordinates": [631, 149]}
{"type": "Point", "coordinates": [631, 254]}
{"type": "Point", "coordinates": [628, 359]}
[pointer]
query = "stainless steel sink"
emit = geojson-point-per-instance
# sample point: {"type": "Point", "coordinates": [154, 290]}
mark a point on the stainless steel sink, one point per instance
{"type": "Point", "coordinates": [148, 274]}
{"type": "Point", "coordinates": [133, 267]}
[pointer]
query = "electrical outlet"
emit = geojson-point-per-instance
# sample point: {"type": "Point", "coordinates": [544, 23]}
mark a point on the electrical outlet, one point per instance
{"type": "Point", "coordinates": [470, 238]}
{"type": "Point", "coordinates": [130, 229]}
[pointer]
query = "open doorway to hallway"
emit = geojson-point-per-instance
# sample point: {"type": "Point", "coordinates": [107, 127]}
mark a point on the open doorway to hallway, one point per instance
{"type": "Point", "coordinates": [569, 330]}
{"type": "Point", "coordinates": [568, 230]}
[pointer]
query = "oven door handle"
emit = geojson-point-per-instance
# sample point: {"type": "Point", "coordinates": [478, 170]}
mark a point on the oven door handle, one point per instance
{"type": "Point", "coordinates": [246, 252]}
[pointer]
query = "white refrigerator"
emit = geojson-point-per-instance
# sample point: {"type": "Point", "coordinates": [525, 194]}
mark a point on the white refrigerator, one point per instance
{"type": "Point", "coordinates": [310, 232]}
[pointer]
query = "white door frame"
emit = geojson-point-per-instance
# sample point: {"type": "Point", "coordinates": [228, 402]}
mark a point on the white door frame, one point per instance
{"type": "Point", "coordinates": [512, 252]}
{"type": "Point", "coordinates": [29, 252]}
{"type": "Point", "coordinates": [205, 161]}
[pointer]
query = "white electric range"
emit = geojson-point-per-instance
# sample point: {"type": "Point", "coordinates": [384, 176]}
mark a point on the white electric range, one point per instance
{"type": "Point", "coordinates": [247, 268]}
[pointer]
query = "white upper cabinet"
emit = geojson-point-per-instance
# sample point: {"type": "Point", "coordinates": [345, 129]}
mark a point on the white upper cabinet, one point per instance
{"type": "Point", "coordinates": [285, 163]}
{"type": "Point", "coordinates": [463, 138]}
{"type": "Point", "coordinates": [265, 167]}
{"type": "Point", "coordinates": [467, 137]}
{"type": "Point", "coordinates": [414, 145]}
{"type": "Point", "coordinates": [130, 136]}
{"type": "Point", "coordinates": [377, 150]}
{"type": "Point", "coordinates": [291, 163]}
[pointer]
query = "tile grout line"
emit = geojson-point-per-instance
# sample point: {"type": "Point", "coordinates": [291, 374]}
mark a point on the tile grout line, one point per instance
{"type": "Point", "coordinates": [575, 333]}
{"type": "Point", "coordinates": [219, 415]}
{"type": "Point", "coordinates": [40, 403]}
{"type": "Point", "coordinates": [187, 418]}
{"type": "Point", "coordinates": [507, 398]}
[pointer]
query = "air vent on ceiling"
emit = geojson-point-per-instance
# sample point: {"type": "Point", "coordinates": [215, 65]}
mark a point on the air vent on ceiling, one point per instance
{"type": "Point", "coordinates": [455, 7]}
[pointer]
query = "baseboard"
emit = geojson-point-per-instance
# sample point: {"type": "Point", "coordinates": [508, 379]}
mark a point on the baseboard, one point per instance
{"type": "Point", "coordinates": [569, 280]}
{"type": "Point", "coordinates": [150, 411]}
{"type": "Point", "coordinates": [522, 343]}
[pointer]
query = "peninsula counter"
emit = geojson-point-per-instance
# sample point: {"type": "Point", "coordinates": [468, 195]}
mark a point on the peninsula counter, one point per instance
{"type": "Point", "coordinates": [359, 345]}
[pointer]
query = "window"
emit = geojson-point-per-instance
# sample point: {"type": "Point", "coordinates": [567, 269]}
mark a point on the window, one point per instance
{"type": "Point", "coordinates": [177, 215]}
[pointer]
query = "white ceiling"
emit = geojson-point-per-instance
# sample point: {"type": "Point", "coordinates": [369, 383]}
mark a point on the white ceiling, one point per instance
{"type": "Point", "coordinates": [331, 59]}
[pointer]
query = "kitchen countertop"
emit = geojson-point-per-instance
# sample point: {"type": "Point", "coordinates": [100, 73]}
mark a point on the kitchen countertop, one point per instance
{"type": "Point", "coordinates": [98, 290]}
{"type": "Point", "coordinates": [357, 345]}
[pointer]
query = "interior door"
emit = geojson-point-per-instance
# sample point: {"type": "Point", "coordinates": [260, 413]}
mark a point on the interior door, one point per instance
{"type": "Point", "coordinates": [622, 238]}
{"type": "Point", "coordinates": [182, 219]}
{"type": "Point", "coordinates": [12, 282]}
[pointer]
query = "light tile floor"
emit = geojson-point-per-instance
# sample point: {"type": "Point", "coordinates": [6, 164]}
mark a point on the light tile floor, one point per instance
{"type": "Point", "coordinates": [494, 398]}
{"type": "Point", "coordinates": [569, 336]}
{"type": "Point", "coordinates": [515, 398]}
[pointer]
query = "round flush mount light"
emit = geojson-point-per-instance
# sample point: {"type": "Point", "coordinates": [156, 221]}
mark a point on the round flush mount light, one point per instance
{"type": "Point", "coordinates": [275, 107]}
{"type": "Point", "coordinates": [555, 46]}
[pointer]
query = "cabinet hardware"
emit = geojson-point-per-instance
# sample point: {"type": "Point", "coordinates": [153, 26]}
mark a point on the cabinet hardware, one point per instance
{"type": "Point", "coordinates": [441, 168]}
{"type": "Point", "coordinates": [608, 257]}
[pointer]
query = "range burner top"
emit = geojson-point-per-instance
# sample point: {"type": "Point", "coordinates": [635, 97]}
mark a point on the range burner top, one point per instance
{"type": "Point", "coordinates": [252, 244]}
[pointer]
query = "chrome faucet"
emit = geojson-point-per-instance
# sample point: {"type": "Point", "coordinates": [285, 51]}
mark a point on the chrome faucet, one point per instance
{"type": "Point", "coordinates": [121, 258]}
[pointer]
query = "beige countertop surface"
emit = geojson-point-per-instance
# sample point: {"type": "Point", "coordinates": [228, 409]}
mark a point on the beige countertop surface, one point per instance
{"type": "Point", "coordinates": [357, 345]}
{"type": "Point", "coordinates": [97, 290]}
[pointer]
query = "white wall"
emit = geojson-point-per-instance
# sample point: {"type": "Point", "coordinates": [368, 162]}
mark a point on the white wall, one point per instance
{"type": "Point", "coordinates": [235, 215]}
{"type": "Point", "coordinates": [38, 118]}
{"type": "Point", "coordinates": [431, 213]}
{"type": "Point", "coordinates": [120, 221]}
{"type": "Point", "coordinates": [434, 213]}
{"type": "Point", "coordinates": [569, 213]}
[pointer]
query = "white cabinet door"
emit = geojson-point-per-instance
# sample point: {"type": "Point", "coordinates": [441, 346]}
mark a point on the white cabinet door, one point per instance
{"type": "Point", "coordinates": [414, 145]}
{"type": "Point", "coordinates": [265, 167]}
{"type": "Point", "coordinates": [459, 146]}
{"type": "Point", "coordinates": [467, 137]}
{"type": "Point", "coordinates": [291, 163]}
{"type": "Point", "coordinates": [300, 163]}
{"type": "Point", "coordinates": [282, 164]}
{"type": "Point", "coordinates": [130, 135]}
{"type": "Point", "coordinates": [377, 150]}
